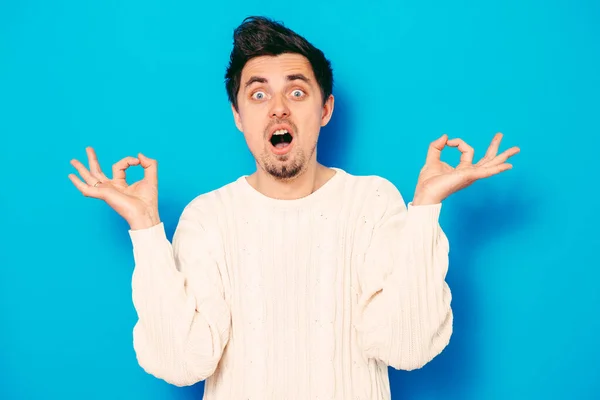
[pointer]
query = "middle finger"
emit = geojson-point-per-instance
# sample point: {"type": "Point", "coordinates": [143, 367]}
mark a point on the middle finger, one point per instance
{"type": "Point", "coordinates": [494, 146]}
{"type": "Point", "coordinates": [94, 164]}
{"type": "Point", "coordinates": [83, 171]}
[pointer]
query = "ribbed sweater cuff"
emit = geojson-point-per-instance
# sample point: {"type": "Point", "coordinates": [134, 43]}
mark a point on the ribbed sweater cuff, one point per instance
{"type": "Point", "coordinates": [425, 216]}
{"type": "Point", "coordinates": [148, 243]}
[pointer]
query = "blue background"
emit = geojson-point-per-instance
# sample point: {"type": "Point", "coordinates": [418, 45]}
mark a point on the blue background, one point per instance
{"type": "Point", "coordinates": [129, 76]}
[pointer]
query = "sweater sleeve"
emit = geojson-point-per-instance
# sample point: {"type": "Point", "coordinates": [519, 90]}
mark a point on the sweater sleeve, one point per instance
{"type": "Point", "coordinates": [404, 314]}
{"type": "Point", "coordinates": [183, 319]}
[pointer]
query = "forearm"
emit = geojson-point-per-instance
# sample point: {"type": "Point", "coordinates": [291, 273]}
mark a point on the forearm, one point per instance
{"type": "Point", "coordinates": [180, 335]}
{"type": "Point", "coordinates": [406, 319]}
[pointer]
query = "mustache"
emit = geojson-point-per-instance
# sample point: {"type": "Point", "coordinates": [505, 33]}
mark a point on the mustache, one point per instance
{"type": "Point", "coordinates": [277, 122]}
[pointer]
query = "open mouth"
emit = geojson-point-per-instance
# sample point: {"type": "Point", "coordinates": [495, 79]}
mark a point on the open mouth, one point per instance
{"type": "Point", "coordinates": [281, 138]}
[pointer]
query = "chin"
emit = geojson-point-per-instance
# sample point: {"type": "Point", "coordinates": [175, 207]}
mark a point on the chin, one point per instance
{"type": "Point", "coordinates": [284, 172]}
{"type": "Point", "coordinates": [284, 167]}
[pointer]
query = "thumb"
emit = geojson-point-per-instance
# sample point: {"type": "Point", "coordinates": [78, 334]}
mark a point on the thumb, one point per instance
{"type": "Point", "coordinates": [442, 139]}
{"type": "Point", "coordinates": [144, 161]}
{"type": "Point", "coordinates": [150, 167]}
{"type": "Point", "coordinates": [435, 148]}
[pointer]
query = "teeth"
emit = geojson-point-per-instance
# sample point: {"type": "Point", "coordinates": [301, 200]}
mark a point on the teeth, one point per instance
{"type": "Point", "coordinates": [280, 132]}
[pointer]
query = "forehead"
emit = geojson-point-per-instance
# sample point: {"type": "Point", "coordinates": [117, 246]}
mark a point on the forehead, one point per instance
{"type": "Point", "coordinates": [273, 67]}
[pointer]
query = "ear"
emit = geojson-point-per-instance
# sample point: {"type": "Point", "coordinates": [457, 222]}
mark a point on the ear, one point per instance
{"type": "Point", "coordinates": [237, 118]}
{"type": "Point", "coordinates": [327, 110]}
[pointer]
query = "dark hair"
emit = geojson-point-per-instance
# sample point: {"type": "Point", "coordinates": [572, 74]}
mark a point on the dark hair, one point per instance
{"type": "Point", "coordinates": [261, 36]}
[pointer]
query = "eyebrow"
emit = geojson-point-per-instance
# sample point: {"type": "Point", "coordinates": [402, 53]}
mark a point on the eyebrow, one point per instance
{"type": "Point", "coordinates": [296, 77]}
{"type": "Point", "coordinates": [260, 79]}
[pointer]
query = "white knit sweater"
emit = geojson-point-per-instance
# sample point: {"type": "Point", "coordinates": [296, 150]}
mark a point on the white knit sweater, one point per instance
{"type": "Point", "coordinates": [293, 299]}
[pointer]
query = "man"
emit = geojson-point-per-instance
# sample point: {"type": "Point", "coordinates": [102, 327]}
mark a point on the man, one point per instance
{"type": "Point", "coordinates": [298, 281]}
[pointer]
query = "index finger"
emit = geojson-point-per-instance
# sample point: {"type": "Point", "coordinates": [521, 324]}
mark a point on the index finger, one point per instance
{"type": "Point", "coordinates": [120, 166]}
{"type": "Point", "coordinates": [466, 151]}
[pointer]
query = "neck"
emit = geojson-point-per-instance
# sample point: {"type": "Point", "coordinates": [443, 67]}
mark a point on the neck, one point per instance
{"type": "Point", "coordinates": [309, 180]}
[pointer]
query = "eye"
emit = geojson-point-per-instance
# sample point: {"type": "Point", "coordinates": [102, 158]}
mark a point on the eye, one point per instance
{"type": "Point", "coordinates": [297, 93]}
{"type": "Point", "coordinates": [259, 95]}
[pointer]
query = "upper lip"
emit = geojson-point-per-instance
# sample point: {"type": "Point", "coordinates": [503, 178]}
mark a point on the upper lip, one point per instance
{"type": "Point", "coordinates": [277, 127]}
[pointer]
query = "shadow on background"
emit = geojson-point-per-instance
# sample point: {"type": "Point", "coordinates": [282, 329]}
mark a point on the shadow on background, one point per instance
{"type": "Point", "coordinates": [477, 218]}
{"type": "Point", "coordinates": [335, 137]}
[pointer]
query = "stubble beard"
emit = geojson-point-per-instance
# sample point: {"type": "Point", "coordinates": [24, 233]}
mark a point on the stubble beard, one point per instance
{"type": "Point", "coordinates": [281, 168]}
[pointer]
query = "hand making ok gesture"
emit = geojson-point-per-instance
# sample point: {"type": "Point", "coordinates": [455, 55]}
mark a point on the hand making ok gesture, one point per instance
{"type": "Point", "coordinates": [136, 203]}
{"type": "Point", "coordinates": [438, 180]}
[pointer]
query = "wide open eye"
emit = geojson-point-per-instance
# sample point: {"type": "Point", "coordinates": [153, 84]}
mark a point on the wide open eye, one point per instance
{"type": "Point", "coordinates": [259, 95]}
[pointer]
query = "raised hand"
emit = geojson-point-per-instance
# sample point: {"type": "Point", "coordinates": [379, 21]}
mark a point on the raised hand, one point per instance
{"type": "Point", "coordinates": [136, 203]}
{"type": "Point", "coordinates": [438, 180]}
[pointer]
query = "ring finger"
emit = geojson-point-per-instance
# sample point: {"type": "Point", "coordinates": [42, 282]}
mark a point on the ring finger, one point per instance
{"type": "Point", "coordinates": [85, 174]}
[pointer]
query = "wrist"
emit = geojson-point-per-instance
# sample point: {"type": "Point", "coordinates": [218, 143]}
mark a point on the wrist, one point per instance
{"type": "Point", "coordinates": [422, 199]}
{"type": "Point", "coordinates": [144, 221]}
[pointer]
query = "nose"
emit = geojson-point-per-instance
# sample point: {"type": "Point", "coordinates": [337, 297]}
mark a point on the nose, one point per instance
{"type": "Point", "coordinates": [279, 108]}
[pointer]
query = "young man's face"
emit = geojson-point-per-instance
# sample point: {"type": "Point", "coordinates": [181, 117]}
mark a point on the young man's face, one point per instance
{"type": "Point", "coordinates": [280, 111]}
